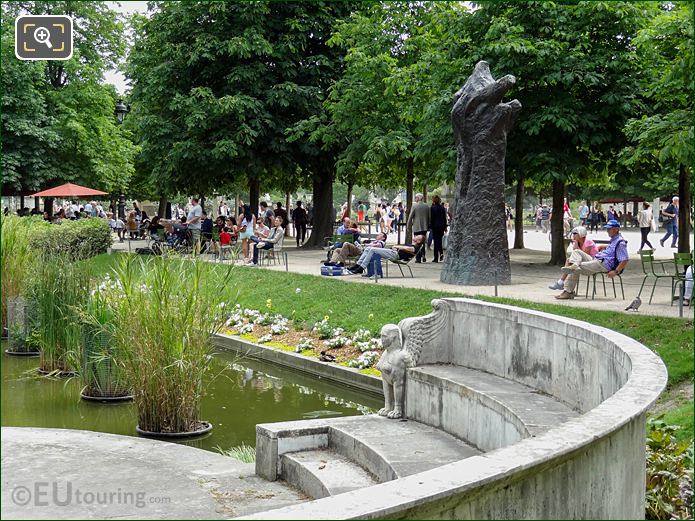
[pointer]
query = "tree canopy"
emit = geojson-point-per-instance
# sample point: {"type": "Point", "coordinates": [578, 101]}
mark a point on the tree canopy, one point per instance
{"type": "Point", "coordinates": [57, 118]}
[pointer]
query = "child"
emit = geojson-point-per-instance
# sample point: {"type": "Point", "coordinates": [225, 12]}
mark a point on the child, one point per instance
{"type": "Point", "coordinates": [120, 229]}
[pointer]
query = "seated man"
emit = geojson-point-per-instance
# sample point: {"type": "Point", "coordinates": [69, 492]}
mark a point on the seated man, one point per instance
{"type": "Point", "coordinates": [579, 242]}
{"type": "Point", "coordinates": [275, 236]}
{"type": "Point", "coordinates": [397, 252]}
{"type": "Point", "coordinates": [349, 249]}
{"type": "Point", "coordinates": [611, 259]}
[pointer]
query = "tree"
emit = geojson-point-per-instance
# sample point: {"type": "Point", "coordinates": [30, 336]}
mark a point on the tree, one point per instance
{"type": "Point", "coordinates": [378, 106]}
{"type": "Point", "coordinates": [216, 86]}
{"type": "Point", "coordinates": [665, 135]}
{"type": "Point", "coordinates": [577, 79]}
{"type": "Point", "coordinates": [58, 123]}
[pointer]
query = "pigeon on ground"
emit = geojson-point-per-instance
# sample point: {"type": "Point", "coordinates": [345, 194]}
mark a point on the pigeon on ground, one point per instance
{"type": "Point", "coordinates": [635, 304]}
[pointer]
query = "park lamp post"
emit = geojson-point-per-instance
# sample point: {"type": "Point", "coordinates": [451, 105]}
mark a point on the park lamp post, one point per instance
{"type": "Point", "coordinates": [120, 111]}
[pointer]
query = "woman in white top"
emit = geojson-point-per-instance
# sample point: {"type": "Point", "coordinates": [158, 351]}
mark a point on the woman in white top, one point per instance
{"type": "Point", "coordinates": [645, 219]}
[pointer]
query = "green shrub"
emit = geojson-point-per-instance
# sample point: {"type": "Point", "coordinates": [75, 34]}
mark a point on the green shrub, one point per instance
{"type": "Point", "coordinates": [79, 239]}
{"type": "Point", "coordinates": [669, 473]}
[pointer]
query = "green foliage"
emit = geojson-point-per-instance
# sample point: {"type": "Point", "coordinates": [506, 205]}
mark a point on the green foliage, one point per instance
{"type": "Point", "coordinates": [669, 473]}
{"type": "Point", "coordinates": [59, 287]}
{"type": "Point", "coordinates": [16, 258]}
{"type": "Point", "coordinates": [58, 122]}
{"type": "Point", "coordinates": [215, 99]}
{"type": "Point", "coordinates": [79, 239]}
{"type": "Point", "coordinates": [244, 453]}
{"type": "Point", "coordinates": [164, 318]}
{"type": "Point", "coordinates": [663, 138]}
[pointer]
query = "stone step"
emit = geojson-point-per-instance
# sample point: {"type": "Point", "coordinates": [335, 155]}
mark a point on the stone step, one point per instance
{"type": "Point", "coordinates": [324, 472]}
{"type": "Point", "coordinates": [392, 449]}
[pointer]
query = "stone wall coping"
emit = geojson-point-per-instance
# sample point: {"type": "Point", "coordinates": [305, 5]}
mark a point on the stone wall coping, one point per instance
{"type": "Point", "coordinates": [646, 381]}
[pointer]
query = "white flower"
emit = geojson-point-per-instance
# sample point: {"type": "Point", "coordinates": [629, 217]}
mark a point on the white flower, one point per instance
{"type": "Point", "coordinates": [365, 360]}
{"type": "Point", "coordinates": [298, 290]}
{"type": "Point", "coordinates": [246, 328]}
{"type": "Point", "coordinates": [264, 339]}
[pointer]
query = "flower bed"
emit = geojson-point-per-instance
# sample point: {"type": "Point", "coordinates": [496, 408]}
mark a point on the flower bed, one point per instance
{"type": "Point", "coordinates": [359, 349]}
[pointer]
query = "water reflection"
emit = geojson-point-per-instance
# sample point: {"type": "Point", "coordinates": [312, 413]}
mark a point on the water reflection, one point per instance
{"type": "Point", "coordinates": [241, 393]}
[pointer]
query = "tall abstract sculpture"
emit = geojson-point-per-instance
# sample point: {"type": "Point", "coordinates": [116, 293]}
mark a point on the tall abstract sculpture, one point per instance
{"type": "Point", "coordinates": [478, 253]}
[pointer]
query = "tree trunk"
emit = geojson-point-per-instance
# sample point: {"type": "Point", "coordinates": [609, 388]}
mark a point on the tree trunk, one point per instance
{"type": "Point", "coordinates": [557, 248]}
{"type": "Point", "coordinates": [254, 193]}
{"type": "Point", "coordinates": [684, 197]}
{"type": "Point", "coordinates": [349, 200]}
{"type": "Point", "coordinates": [409, 188]}
{"type": "Point", "coordinates": [48, 205]}
{"type": "Point", "coordinates": [323, 208]}
{"type": "Point", "coordinates": [201, 201]}
{"type": "Point", "coordinates": [161, 210]}
{"type": "Point", "coordinates": [288, 209]}
{"type": "Point", "coordinates": [519, 216]}
{"type": "Point", "coordinates": [424, 193]}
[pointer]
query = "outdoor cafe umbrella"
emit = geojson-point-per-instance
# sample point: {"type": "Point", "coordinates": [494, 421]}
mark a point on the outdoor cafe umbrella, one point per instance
{"type": "Point", "coordinates": [69, 190]}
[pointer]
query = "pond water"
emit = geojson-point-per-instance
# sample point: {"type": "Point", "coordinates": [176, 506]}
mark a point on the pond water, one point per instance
{"type": "Point", "coordinates": [244, 392]}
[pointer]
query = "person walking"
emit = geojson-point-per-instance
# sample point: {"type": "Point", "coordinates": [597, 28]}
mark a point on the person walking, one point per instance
{"type": "Point", "coordinates": [545, 218]}
{"type": "Point", "coordinates": [671, 223]}
{"type": "Point", "coordinates": [300, 219]}
{"type": "Point", "coordinates": [438, 227]}
{"type": "Point", "coordinates": [583, 213]}
{"type": "Point", "coordinates": [419, 218]}
{"type": "Point", "coordinates": [645, 218]}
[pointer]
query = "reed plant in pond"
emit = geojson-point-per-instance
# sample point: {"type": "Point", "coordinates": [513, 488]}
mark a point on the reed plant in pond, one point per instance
{"type": "Point", "coordinates": [59, 287]}
{"type": "Point", "coordinates": [100, 373]}
{"type": "Point", "coordinates": [16, 259]}
{"type": "Point", "coordinates": [164, 320]}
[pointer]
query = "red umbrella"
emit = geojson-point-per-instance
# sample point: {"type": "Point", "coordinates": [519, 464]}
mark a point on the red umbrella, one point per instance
{"type": "Point", "coordinates": [69, 190]}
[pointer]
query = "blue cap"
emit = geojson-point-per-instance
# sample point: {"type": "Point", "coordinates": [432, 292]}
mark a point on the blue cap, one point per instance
{"type": "Point", "coordinates": [612, 224]}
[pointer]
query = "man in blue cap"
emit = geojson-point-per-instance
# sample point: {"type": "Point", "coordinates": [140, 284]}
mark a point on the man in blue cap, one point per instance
{"type": "Point", "coordinates": [611, 259]}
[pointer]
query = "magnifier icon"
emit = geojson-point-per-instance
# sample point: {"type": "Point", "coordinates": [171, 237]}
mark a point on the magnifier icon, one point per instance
{"type": "Point", "coordinates": [43, 35]}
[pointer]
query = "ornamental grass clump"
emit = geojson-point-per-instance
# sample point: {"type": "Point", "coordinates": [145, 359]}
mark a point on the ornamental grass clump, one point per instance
{"type": "Point", "coordinates": [59, 288]}
{"type": "Point", "coordinates": [16, 259]}
{"type": "Point", "coordinates": [101, 375]}
{"type": "Point", "coordinates": [164, 321]}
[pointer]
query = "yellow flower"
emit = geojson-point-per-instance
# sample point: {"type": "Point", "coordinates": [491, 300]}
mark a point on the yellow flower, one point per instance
{"type": "Point", "coordinates": [326, 318]}
{"type": "Point", "coordinates": [371, 316]}
{"type": "Point", "coordinates": [269, 303]}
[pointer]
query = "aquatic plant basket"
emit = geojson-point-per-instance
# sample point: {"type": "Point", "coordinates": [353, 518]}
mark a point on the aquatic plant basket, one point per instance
{"type": "Point", "coordinates": [20, 325]}
{"type": "Point", "coordinates": [103, 379]}
{"type": "Point", "coordinates": [204, 427]}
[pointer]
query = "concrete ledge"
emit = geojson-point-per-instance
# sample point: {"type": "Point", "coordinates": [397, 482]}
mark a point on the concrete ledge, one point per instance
{"type": "Point", "coordinates": [346, 376]}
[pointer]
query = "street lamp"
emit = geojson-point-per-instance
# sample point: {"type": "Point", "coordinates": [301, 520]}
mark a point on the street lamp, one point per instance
{"type": "Point", "coordinates": [121, 110]}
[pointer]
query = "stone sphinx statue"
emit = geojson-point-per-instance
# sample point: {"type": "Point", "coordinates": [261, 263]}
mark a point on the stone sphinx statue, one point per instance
{"type": "Point", "coordinates": [404, 345]}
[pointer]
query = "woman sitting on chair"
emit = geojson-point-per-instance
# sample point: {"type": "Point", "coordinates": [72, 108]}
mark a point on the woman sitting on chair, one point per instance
{"type": "Point", "coordinates": [275, 236]}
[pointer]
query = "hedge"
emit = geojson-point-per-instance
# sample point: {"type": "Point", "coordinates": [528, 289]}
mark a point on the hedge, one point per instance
{"type": "Point", "coordinates": [79, 239]}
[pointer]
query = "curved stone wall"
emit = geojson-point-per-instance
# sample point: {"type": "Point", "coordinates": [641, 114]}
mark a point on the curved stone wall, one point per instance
{"type": "Point", "coordinates": [590, 466]}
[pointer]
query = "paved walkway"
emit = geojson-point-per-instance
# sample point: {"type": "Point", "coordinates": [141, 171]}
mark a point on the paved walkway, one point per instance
{"type": "Point", "coordinates": [531, 275]}
{"type": "Point", "coordinates": [71, 474]}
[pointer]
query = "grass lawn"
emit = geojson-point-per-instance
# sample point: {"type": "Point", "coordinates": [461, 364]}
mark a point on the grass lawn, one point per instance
{"type": "Point", "coordinates": [370, 306]}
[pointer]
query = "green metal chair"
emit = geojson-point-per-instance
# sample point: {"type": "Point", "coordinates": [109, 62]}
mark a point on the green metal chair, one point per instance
{"type": "Point", "coordinates": [681, 262]}
{"type": "Point", "coordinates": [592, 279]}
{"type": "Point", "coordinates": [653, 268]}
